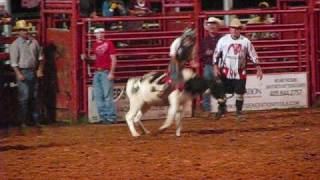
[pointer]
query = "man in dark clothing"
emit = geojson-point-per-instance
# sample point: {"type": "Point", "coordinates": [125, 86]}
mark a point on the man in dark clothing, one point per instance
{"type": "Point", "coordinates": [87, 8]}
{"type": "Point", "coordinates": [207, 47]}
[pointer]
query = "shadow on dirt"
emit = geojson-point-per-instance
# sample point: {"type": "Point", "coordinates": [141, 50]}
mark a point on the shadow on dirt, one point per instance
{"type": "Point", "coordinates": [24, 147]}
{"type": "Point", "coordinates": [222, 131]}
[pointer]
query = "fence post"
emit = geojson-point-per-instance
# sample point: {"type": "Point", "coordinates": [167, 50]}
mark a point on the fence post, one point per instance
{"type": "Point", "coordinates": [312, 51]}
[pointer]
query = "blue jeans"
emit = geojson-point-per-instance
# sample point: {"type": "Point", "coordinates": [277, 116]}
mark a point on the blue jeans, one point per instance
{"type": "Point", "coordinates": [27, 96]}
{"type": "Point", "coordinates": [103, 95]}
{"type": "Point", "coordinates": [208, 75]}
{"type": "Point", "coordinates": [175, 72]}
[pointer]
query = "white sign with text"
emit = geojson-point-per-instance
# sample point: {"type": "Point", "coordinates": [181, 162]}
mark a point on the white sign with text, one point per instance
{"type": "Point", "coordinates": [274, 91]}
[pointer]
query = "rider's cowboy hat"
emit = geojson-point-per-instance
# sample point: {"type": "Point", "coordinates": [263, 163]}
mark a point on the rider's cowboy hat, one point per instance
{"type": "Point", "coordinates": [189, 33]}
{"type": "Point", "coordinates": [236, 23]}
{"type": "Point", "coordinates": [22, 25]}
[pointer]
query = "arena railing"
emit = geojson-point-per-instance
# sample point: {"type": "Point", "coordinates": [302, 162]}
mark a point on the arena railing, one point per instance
{"type": "Point", "coordinates": [174, 6]}
{"type": "Point", "coordinates": [314, 11]}
{"type": "Point", "coordinates": [287, 48]}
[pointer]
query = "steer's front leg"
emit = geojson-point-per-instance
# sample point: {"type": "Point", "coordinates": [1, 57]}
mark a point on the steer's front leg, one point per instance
{"type": "Point", "coordinates": [133, 111]}
{"type": "Point", "coordinates": [173, 108]}
{"type": "Point", "coordinates": [179, 115]}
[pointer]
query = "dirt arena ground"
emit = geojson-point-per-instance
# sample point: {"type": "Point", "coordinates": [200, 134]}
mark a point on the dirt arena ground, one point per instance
{"type": "Point", "coordinates": [270, 145]}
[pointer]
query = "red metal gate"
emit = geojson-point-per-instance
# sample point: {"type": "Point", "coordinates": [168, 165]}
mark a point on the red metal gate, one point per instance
{"type": "Point", "coordinates": [58, 72]}
{"type": "Point", "coordinates": [65, 57]}
{"type": "Point", "coordinates": [314, 14]}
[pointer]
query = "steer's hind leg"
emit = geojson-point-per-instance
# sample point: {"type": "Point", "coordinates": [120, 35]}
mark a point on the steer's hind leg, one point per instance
{"type": "Point", "coordinates": [130, 116]}
{"type": "Point", "coordinates": [179, 115]}
{"type": "Point", "coordinates": [137, 119]}
{"type": "Point", "coordinates": [173, 108]}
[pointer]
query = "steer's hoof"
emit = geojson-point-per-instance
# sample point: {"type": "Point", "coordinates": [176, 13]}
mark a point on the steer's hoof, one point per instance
{"type": "Point", "coordinates": [136, 135]}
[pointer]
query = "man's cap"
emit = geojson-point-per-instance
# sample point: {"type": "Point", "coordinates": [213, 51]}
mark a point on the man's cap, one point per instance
{"type": "Point", "coordinates": [236, 23]}
{"type": "Point", "coordinates": [98, 30]}
{"type": "Point", "coordinates": [22, 25]}
{"type": "Point", "coordinates": [212, 20]}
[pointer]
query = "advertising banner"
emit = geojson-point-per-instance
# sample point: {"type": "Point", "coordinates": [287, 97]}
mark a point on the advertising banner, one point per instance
{"type": "Point", "coordinates": [274, 91]}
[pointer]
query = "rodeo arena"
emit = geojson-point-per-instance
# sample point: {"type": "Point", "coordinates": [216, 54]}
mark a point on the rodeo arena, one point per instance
{"type": "Point", "coordinates": [160, 89]}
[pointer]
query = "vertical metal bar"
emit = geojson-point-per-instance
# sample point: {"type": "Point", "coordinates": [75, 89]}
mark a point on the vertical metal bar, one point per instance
{"type": "Point", "coordinates": [312, 51]}
{"type": "Point", "coordinates": [299, 50]}
{"type": "Point", "coordinates": [197, 9]}
{"type": "Point", "coordinates": [163, 2]}
{"type": "Point", "coordinates": [227, 5]}
{"type": "Point", "coordinates": [317, 58]}
{"type": "Point", "coordinates": [307, 44]}
{"type": "Point", "coordinates": [75, 68]}
{"type": "Point", "coordinates": [43, 22]}
{"type": "Point", "coordinates": [84, 67]}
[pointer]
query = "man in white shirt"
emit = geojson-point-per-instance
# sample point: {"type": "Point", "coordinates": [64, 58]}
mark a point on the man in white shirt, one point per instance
{"type": "Point", "coordinates": [230, 63]}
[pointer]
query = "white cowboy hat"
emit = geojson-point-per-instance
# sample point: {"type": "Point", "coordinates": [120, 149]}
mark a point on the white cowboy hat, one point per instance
{"type": "Point", "coordinates": [214, 20]}
{"type": "Point", "coordinates": [236, 23]}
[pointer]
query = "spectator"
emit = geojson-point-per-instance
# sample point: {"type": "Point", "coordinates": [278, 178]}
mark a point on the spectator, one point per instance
{"type": "Point", "coordinates": [207, 47]}
{"type": "Point", "coordinates": [181, 51]}
{"type": "Point", "coordinates": [5, 18]}
{"type": "Point", "coordinates": [261, 19]}
{"type": "Point", "coordinates": [88, 8]}
{"type": "Point", "coordinates": [105, 64]}
{"type": "Point", "coordinates": [113, 8]}
{"type": "Point", "coordinates": [4, 15]}
{"type": "Point", "coordinates": [230, 62]}
{"type": "Point", "coordinates": [27, 62]}
{"type": "Point", "coordinates": [138, 8]}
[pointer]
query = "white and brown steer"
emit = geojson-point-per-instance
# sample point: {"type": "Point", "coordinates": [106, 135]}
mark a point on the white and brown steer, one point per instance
{"type": "Point", "coordinates": [151, 90]}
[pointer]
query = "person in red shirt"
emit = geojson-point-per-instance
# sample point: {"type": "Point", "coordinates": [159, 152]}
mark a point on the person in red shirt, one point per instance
{"type": "Point", "coordinates": [105, 64]}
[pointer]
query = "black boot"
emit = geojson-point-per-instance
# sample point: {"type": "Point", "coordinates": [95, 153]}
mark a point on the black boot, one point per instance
{"type": "Point", "coordinates": [239, 113]}
{"type": "Point", "coordinates": [221, 110]}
